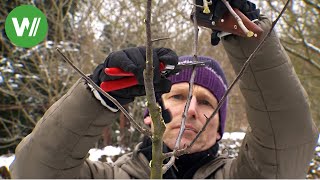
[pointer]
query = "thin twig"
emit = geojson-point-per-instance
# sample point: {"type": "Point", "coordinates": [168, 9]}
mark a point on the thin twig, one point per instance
{"type": "Point", "coordinates": [15, 123]}
{"type": "Point", "coordinates": [9, 145]}
{"type": "Point", "coordinates": [194, 4]}
{"type": "Point", "coordinates": [191, 84]}
{"type": "Point", "coordinates": [195, 37]}
{"type": "Point", "coordinates": [246, 64]}
{"type": "Point", "coordinates": [240, 22]}
{"type": "Point", "coordinates": [183, 122]}
{"type": "Point", "coordinates": [6, 128]}
{"type": "Point", "coordinates": [160, 39]}
{"type": "Point", "coordinates": [11, 139]}
{"type": "Point", "coordinates": [168, 155]}
{"type": "Point", "coordinates": [299, 55]}
{"type": "Point", "coordinates": [185, 111]}
{"type": "Point", "coordinates": [96, 87]}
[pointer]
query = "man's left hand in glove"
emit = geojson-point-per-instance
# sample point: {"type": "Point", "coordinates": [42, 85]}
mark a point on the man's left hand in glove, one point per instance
{"type": "Point", "coordinates": [134, 60]}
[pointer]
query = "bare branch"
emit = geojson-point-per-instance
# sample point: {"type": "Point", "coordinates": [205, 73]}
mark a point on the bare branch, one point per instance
{"type": "Point", "coordinates": [6, 128]}
{"type": "Point", "coordinates": [194, 4]}
{"type": "Point", "coordinates": [309, 60]}
{"type": "Point", "coordinates": [191, 83]}
{"type": "Point", "coordinates": [313, 4]}
{"type": "Point", "coordinates": [246, 64]}
{"type": "Point", "coordinates": [96, 87]}
{"type": "Point", "coordinates": [306, 43]}
{"type": "Point", "coordinates": [160, 39]}
{"type": "Point", "coordinates": [9, 145]}
{"type": "Point", "coordinates": [19, 103]}
{"type": "Point", "coordinates": [154, 108]}
{"type": "Point", "coordinates": [9, 140]}
{"type": "Point", "coordinates": [15, 123]}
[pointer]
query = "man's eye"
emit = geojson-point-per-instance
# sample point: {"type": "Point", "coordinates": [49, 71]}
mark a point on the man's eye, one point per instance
{"type": "Point", "coordinates": [178, 97]}
{"type": "Point", "coordinates": [205, 102]}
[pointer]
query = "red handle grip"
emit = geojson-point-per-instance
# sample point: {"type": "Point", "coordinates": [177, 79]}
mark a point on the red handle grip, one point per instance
{"type": "Point", "coordinates": [120, 72]}
{"type": "Point", "coordinates": [108, 86]}
{"type": "Point", "coordinates": [117, 72]}
{"type": "Point", "coordinates": [122, 83]}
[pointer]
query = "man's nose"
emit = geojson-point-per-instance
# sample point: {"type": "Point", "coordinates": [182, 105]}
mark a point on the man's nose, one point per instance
{"type": "Point", "coordinates": [193, 107]}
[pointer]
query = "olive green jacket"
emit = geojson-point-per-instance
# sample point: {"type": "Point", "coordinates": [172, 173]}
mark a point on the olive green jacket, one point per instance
{"type": "Point", "coordinates": [279, 144]}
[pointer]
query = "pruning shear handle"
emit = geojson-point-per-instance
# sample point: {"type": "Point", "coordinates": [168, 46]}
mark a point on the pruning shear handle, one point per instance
{"type": "Point", "coordinates": [129, 78]}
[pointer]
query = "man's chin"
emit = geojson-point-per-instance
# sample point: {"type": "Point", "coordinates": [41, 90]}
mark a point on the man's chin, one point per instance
{"type": "Point", "coordinates": [185, 142]}
{"type": "Point", "coordinates": [186, 139]}
{"type": "Point", "coordinates": [196, 147]}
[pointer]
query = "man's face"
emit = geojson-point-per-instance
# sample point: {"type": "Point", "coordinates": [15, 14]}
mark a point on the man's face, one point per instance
{"type": "Point", "coordinates": [202, 105]}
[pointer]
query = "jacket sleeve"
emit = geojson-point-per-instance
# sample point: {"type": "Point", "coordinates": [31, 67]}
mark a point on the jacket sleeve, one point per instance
{"type": "Point", "coordinates": [58, 145]}
{"type": "Point", "coordinates": [282, 136]}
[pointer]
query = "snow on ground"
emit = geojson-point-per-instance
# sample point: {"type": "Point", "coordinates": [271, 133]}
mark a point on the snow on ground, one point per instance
{"type": "Point", "coordinates": [95, 154]}
{"type": "Point", "coordinates": [6, 160]}
{"type": "Point", "coordinates": [233, 135]}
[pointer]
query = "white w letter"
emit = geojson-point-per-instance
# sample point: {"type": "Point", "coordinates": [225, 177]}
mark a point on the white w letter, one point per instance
{"type": "Point", "coordinates": [20, 29]}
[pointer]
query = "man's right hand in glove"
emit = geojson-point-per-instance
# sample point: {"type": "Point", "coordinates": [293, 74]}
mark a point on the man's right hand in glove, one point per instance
{"type": "Point", "coordinates": [134, 60]}
{"type": "Point", "coordinates": [219, 9]}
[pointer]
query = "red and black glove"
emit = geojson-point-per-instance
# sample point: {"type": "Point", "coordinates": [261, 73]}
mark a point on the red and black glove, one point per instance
{"type": "Point", "coordinates": [134, 60]}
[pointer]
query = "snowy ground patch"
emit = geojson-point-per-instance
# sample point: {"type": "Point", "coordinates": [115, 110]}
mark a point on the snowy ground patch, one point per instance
{"type": "Point", "coordinates": [6, 160]}
{"type": "Point", "coordinates": [230, 141]}
{"type": "Point", "coordinates": [108, 152]}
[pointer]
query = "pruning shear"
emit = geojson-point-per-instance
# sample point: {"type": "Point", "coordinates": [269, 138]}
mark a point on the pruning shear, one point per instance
{"type": "Point", "coordinates": [130, 80]}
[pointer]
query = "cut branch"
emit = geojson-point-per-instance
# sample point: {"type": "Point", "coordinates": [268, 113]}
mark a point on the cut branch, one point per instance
{"type": "Point", "coordinates": [240, 23]}
{"type": "Point", "coordinates": [96, 87]}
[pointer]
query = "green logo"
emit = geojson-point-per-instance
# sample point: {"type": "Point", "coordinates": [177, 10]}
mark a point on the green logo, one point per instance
{"type": "Point", "coordinates": [26, 26]}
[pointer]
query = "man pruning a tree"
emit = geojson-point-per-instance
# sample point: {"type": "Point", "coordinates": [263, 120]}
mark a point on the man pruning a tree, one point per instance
{"type": "Point", "coordinates": [279, 144]}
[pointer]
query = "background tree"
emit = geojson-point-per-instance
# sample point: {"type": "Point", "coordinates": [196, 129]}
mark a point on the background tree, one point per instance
{"type": "Point", "coordinates": [32, 79]}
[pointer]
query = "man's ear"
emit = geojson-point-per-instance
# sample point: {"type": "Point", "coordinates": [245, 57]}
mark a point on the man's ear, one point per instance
{"type": "Point", "coordinates": [147, 120]}
{"type": "Point", "coordinates": [218, 136]}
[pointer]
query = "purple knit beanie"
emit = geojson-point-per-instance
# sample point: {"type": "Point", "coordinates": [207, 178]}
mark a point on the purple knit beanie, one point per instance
{"type": "Point", "coordinates": [210, 76]}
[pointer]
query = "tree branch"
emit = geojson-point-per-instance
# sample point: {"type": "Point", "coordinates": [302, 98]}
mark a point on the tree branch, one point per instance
{"type": "Point", "coordinates": [313, 4]}
{"type": "Point", "coordinates": [306, 43]}
{"type": "Point", "coordinates": [191, 83]}
{"type": "Point", "coordinates": [160, 39]}
{"type": "Point", "coordinates": [154, 109]}
{"type": "Point", "coordinates": [309, 60]}
{"type": "Point", "coordinates": [96, 87]}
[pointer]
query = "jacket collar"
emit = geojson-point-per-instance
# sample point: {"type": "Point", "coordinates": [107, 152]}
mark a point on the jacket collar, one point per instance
{"type": "Point", "coordinates": [137, 165]}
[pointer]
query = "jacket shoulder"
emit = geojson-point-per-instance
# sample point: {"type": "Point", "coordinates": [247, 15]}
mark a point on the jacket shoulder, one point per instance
{"type": "Point", "coordinates": [135, 164]}
{"type": "Point", "coordinates": [219, 168]}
